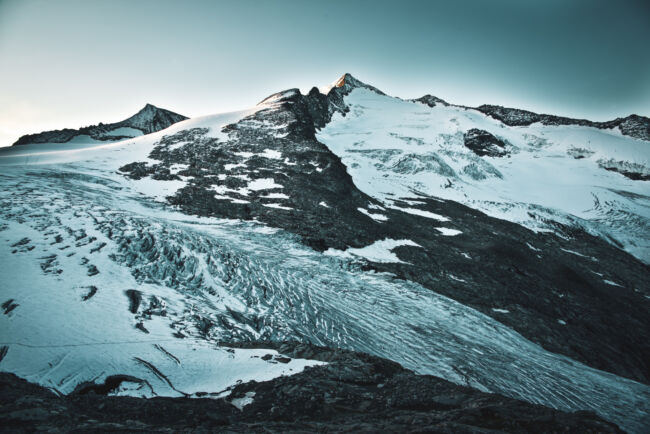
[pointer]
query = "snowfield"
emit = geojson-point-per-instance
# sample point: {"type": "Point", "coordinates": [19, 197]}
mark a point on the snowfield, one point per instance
{"type": "Point", "coordinates": [395, 148]}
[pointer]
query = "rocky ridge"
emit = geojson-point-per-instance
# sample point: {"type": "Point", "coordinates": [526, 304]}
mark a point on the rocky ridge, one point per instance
{"type": "Point", "coordinates": [148, 120]}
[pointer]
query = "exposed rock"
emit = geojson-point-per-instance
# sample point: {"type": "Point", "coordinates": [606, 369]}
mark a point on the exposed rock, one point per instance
{"type": "Point", "coordinates": [432, 101]}
{"type": "Point", "coordinates": [135, 298]}
{"type": "Point", "coordinates": [634, 125]}
{"type": "Point", "coordinates": [482, 143]}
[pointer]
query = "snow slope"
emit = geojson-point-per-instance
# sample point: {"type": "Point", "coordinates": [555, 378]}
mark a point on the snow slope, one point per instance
{"type": "Point", "coordinates": [395, 148]}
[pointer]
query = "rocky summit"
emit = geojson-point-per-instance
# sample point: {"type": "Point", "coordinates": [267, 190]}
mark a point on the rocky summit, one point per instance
{"type": "Point", "coordinates": [435, 267]}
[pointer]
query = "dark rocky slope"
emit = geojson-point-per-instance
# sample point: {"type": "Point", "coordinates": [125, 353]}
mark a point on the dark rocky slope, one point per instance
{"type": "Point", "coordinates": [352, 393]}
{"type": "Point", "coordinates": [551, 289]}
{"type": "Point", "coordinates": [148, 120]}
{"type": "Point", "coordinates": [482, 143]}
{"type": "Point", "coordinates": [634, 125]}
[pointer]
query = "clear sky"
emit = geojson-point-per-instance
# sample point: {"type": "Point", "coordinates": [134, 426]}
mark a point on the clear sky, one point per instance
{"type": "Point", "coordinates": [75, 63]}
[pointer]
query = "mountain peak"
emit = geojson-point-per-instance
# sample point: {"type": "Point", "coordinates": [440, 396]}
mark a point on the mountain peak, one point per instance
{"type": "Point", "coordinates": [148, 120]}
{"type": "Point", "coordinates": [348, 79]}
{"type": "Point", "coordinates": [432, 100]}
{"type": "Point", "coordinates": [151, 118]}
{"type": "Point", "coordinates": [346, 83]}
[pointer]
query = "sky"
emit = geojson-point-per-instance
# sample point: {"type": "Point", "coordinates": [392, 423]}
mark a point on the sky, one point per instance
{"type": "Point", "coordinates": [72, 63]}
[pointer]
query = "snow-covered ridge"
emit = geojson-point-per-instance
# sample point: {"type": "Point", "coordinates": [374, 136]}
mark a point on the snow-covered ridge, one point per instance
{"type": "Point", "coordinates": [393, 148]}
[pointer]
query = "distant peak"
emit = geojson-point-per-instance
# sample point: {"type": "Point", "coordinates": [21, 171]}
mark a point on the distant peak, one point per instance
{"type": "Point", "coordinates": [347, 82]}
{"type": "Point", "coordinates": [347, 77]}
{"type": "Point", "coordinates": [432, 101]}
{"type": "Point", "coordinates": [149, 107]}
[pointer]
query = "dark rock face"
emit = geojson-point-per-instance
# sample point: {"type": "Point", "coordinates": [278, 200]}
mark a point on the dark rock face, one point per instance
{"type": "Point", "coordinates": [553, 297]}
{"type": "Point", "coordinates": [633, 125]}
{"type": "Point", "coordinates": [353, 392]}
{"type": "Point", "coordinates": [148, 120]}
{"type": "Point", "coordinates": [634, 171]}
{"type": "Point", "coordinates": [482, 143]}
{"type": "Point", "coordinates": [432, 101]}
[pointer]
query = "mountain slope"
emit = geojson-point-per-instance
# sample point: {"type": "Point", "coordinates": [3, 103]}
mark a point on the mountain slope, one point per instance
{"type": "Point", "coordinates": [148, 120]}
{"type": "Point", "coordinates": [315, 218]}
{"type": "Point", "coordinates": [283, 176]}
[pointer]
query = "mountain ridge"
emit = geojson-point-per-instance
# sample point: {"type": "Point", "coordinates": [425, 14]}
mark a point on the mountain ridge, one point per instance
{"type": "Point", "coordinates": [147, 120]}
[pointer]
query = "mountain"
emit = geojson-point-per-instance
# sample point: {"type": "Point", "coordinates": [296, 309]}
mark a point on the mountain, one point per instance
{"type": "Point", "coordinates": [506, 259]}
{"type": "Point", "coordinates": [148, 120]}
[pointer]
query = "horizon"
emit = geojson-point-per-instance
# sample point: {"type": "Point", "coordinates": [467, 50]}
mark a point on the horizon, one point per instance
{"type": "Point", "coordinates": [78, 69]}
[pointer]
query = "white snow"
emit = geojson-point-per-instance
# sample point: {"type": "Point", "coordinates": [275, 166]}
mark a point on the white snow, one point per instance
{"type": "Point", "coordinates": [422, 213]}
{"type": "Point", "coordinates": [449, 232]}
{"type": "Point", "coordinates": [379, 251]}
{"type": "Point", "coordinates": [263, 184]}
{"type": "Point", "coordinates": [275, 196]}
{"type": "Point", "coordinates": [323, 204]}
{"type": "Point", "coordinates": [376, 217]}
{"type": "Point", "coordinates": [240, 403]}
{"type": "Point", "coordinates": [157, 189]}
{"type": "Point", "coordinates": [500, 310]}
{"type": "Point", "coordinates": [277, 205]}
{"type": "Point", "coordinates": [535, 249]}
{"type": "Point", "coordinates": [231, 166]}
{"type": "Point", "coordinates": [58, 340]}
{"type": "Point", "coordinates": [609, 282]}
{"type": "Point", "coordinates": [271, 154]}
{"type": "Point", "coordinates": [124, 131]}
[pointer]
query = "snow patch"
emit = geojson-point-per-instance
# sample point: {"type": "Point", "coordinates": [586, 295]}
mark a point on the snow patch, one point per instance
{"type": "Point", "coordinates": [263, 184]}
{"type": "Point", "coordinates": [448, 232]}
{"type": "Point", "coordinates": [379, 251]}
{"type": "Point", "coordinates": [240, 403]}
{"type": "Point", "coordinates": [376, 217]}
{"type": "Point", "coordinates": [277, 205]}
{"type": "Point", "coordinates": [422, 213]}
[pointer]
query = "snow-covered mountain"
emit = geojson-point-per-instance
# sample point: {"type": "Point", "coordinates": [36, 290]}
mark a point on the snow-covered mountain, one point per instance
{"type": "Point", "coordinates": [507, 258]}
{"type": "Point", "coordinates": [148, 120]}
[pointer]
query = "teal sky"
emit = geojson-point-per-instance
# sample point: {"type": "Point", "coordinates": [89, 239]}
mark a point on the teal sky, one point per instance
{"type": "Point", "coordinates": [74, 63]}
